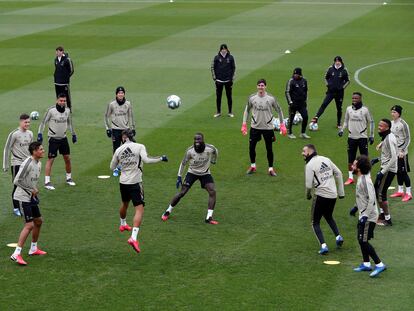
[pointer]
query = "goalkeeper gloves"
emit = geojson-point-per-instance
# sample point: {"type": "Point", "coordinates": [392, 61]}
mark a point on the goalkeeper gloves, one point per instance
{"type": "Point", "coordinates": [244, 129]}
{"type": "Point", "coordinates": [283, 130]}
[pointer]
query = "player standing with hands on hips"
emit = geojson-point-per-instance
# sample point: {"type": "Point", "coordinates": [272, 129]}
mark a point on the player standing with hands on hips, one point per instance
{"type": "Point", "coordinates": [320, 175]}
{"type": "Point", "coordinates": [198, 157]}
{"type": "Point", "coordinates": [59, 119]}
{"type": "Point", "coordinates": [131, 157]}
{"type": "Point", "coordinates": [17, 145]}
{"type": "Point", "coordinates": [262, 105]}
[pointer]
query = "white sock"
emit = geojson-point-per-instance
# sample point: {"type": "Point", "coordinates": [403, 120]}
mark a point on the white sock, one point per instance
{"type": "Point", "coordinates": [170, 208]}
{"type": "Point", "coordinates": [123, 221]}
{"type": "Point", "coordinates": [400, 188]}
{"type": "Point", "coordinates": [379, 265]}
{"type": "Point", "coordinates": [408, 190]}
{"type": "Point", "coordinates": [33, 247]}
{"type": "Point", "coordinates": [387, 217]}
{"type": "Point", "coordinates": [17, 251]}
{"type": "Point", "coordinates": [252, 164]}
{"type": "Point", "coordinates": [338, 237]}
{"type": "Point", "coordinates": [324, 245]}
{"type": "Point", "coordinates": [367, 264]}
{"type": "Point", "coordinates": [270, 168]}
{"type": "Point", "coordinates": [47, 179]}
{"type": "Point", "coordinates": [209, 213]}
{"type": "Point", "coordinates": [134, 233]}
{"type": "Point", "coordinates": [381, 211]}
{"type": "Point", "coordinates": [350, 175]}
{"type": "Point", "coordinates": [68, 176]}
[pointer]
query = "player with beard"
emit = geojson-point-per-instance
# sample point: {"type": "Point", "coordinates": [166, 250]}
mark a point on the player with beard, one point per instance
{"type": "Point", "coordinates": [198, 157]}
{"type": "Point", "coordinates": [119, 117]}
{"type": "Point", "coordinates": [368, 214]}
{"type": "Point", "coordinates": [59, 119]}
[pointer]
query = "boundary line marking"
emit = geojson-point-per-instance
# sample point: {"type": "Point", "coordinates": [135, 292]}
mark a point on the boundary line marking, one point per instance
{"type": "Point", "coordinates": [356, 78]}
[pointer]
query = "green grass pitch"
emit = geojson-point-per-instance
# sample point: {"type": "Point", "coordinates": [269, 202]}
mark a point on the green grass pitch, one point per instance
{"type": "Point", "coordinates": [263, 255]}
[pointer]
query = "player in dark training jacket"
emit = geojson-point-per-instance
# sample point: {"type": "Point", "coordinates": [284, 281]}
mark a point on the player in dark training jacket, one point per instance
{"type": "Point", "coordinates": [63, 71]}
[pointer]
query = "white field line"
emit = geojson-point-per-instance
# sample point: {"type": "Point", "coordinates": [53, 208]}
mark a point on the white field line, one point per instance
{"type": "Point", "coordinates": [356, 78]}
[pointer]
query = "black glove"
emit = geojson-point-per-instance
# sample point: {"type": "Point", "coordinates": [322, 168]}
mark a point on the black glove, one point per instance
{"type": "Point", "coordinates": [353, 211]}
{"type": "Point", "coordinates": [40, 137]}
{"type": "Point", "coordinates": [109, 133]}
{"type": "Point", "coordinates": [363, 220]}
{"type": "Point", "coordinates": [134, 133]}
{"type": "Point", "coordinates": [340, 133]}
{"type": "Point", "coordinates": [179, 182]}
{"type": "Point", "coordinates": [74, 138]}
{"type": "Point", "coordinates": [341, 196]}
{"type": "Point", "coordinates": [164, 158]}
{"type": "Point", "coordinates": [35, 200]}
{"type": "Point", "coordinates": [374, 160]}
{"type": "Point", "coordinates": [380, 175]}
{"type": "Point", "coordinates": [371, 140]}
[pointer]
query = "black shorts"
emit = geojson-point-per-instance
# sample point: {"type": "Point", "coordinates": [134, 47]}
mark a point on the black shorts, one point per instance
{"type": "Point", "coordinates": [403, 164]}
{"type": "Point", "coordinates": [353, 145]}
{"type": "Point", "coordinates": [256, 135]}
{"type": "Point", "coordinates": [56, 145]}
{"type": "Point", "coordinates": [381, 186]}
{"type": "Point", "coordinates": [365, 231]}
{"type": "Point", "coordinates": [190, 179]}
{"type": "Point", "coordinates": [133, 192]}
{"type": "Point", "coordinates": [29, 210]}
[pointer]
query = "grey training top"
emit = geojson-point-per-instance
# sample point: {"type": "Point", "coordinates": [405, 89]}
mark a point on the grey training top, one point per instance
{"type": "Point", "coordinates": [17, 145]}
{"type": "Point", "coordinates": [119, 117]}
{"type": "Point", "coordinates": [401, 131]}
{"type": "Point", "coordinates": [357, 121]}
{"type": "Point", "coordinates": [26, 179]}
{"type": "Point", "coordinates": [199, 163]}
{"type": "Point", "coordinates": [366, 199]}
{"type": "Point", "coordinates": [59, 123]}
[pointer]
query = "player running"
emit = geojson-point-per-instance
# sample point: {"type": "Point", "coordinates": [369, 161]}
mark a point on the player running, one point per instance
{"type": "Point", "coordinates": [17, 145]}
{"type": "Point", "coordinates": [27, 195]}
{"type": "Point", "coordinates": [130, 157]}
{"type": "Point", "coordinates": [198, 157]}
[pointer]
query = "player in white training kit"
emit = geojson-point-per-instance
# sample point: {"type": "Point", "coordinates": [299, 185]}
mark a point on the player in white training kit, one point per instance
{"type": "Point", "coordinates": [17, 146]}
{"type": "Point", "coordinates": [198, 157]}
{"type": "Point", "coordinates": [130, 158]}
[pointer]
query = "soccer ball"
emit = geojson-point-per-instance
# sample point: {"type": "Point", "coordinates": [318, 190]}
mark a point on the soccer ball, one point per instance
{"type": "Point", "coordinates": [297, 119]}
{"type": "Point", "coordinates": [34, 115]}
{"type": "Point", "coordinates": [276, 123]}
{"type": "Point", "coordinates": [173, 101]}
{"type": "Point", "coordinates": [313, 126]}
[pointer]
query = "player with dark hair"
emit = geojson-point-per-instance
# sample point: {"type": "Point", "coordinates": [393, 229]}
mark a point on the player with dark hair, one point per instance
{"type": "Point", "coordinates": [401, 131]}
{"type": "Point", "coordinates": [59, 119]}
{"type": "Point", "coordinates": [198, 157]}
{"type": "Point", "coordinates": [130, 157]}
{"type": "Point", "coordinates": [320, 175]}
{"type": "Point", "coordinates": [388, 169]}
{"type": "Point", "coordinates": [297, 96]}
{"type": "Point", "coordinates": [357, 119]}
{"type": "Point", "coordinates": [223, 69]}
{"type": "Point", "coordinates": [27, 195]}
{"type": "Point", "coordinates": [63, 71]}
{"type": "Point", "coordinates": [336, 79]}
{"type": "Point", "coordinates": [368, 214]}
{"type": "Point", "coordinates": [17, 145]}
{"type": "Point", "coordinates": [119, 117]}
{"type": "Point", "coordinates": [261, 105]}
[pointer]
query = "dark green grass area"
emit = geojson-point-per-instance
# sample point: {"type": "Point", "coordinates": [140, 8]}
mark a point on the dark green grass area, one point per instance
{"type": "Point", "coordinates": [263, 255]}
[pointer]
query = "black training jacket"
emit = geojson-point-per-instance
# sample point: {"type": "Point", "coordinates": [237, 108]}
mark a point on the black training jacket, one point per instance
{"type": "Point", "coordinates": [223, 68]}
{"type": "Point", "coordinates": [296, 91]}
{"type": "Point", "coordinates": [63, 69]}
{"type": "Point", "coordinates": [336, 79]}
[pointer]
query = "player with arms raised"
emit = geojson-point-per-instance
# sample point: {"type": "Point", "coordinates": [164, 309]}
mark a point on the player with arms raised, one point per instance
{"type": "Point", "coordinates": [131, 157]}
{"type": "Point", "coordinates": [198, 157]}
